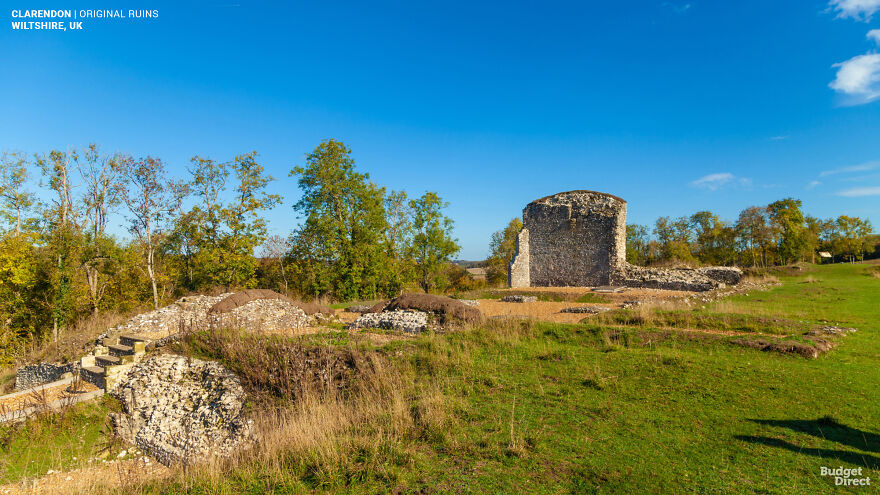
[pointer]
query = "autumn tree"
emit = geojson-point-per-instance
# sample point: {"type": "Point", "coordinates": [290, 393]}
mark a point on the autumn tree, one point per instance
{"type": "Point", "coordinates": [433, 244]}
{"type": "Point", "coordinates": [103, 182]}
{"type": "Point", "coordinates": [502, 248]}
{"type": "Point", "coordinates": [854, 233]}
{"type": "Point", "coordinates": [151, 199]}
{"type": "Point", "coordinates": [754, 233]}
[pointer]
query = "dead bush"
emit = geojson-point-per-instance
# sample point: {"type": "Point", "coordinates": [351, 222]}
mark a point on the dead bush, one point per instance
{"type": "Point", "coordinates": [449, 310]}
{"type": "Point", "coordinates": [296, 366]}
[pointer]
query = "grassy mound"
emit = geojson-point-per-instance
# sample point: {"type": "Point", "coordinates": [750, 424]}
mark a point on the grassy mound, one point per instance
{"type": "Point", "coordinates": [241, 298]}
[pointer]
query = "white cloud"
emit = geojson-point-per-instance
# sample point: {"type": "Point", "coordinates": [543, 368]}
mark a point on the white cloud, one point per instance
{"type": "Point", "coordinates": [862, 167]}
{"type": "Point", "coordinates": [858, 192]}
{"type": "Point", "coordinates": [778, 138]}
{"type": "Point", "coordinates": [874, 35]}
{"type": "Point", "coordinates": [858, 78]}
{"type": "Point", "coordinates": [715, 181]}
{"type": "Point", "coordinates": [860, 10]}
{"type": "Point", "coordinates": [813, 184]}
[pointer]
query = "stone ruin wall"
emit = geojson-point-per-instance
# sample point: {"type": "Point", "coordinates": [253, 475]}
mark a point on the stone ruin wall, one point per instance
{"type": "Point", "coordinates": [37, 374]}
{"type": "Point", "coordinates": [578, 239]}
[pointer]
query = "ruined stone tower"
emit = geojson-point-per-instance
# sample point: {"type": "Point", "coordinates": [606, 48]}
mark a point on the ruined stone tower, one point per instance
{"type": "Point", "coordinates": [575, 238]}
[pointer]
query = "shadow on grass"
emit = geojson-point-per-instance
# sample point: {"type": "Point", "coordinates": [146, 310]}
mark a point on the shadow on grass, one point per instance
{"type": "Point", "coordinates": [865, 460]}
{"type": "Point", "coordinates": [829, 429]}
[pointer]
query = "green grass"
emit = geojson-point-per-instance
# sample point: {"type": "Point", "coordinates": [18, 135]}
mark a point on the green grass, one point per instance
{"type": "Point", "coordinates": [54, 441]}
{"type": "Point", "coordinates": [555, 408]}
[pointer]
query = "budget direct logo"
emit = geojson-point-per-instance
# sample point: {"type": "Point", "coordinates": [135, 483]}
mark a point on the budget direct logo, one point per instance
{"type": "Point", "coordinates": [846, 476]}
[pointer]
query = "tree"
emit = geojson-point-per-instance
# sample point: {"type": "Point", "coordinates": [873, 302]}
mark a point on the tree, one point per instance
{"type": "Point", "coordinates": [151, 199]}
{"type": "Point", "coordinates": [853, 234]}
{"type": "Point", "coordinates": [398, 239]}
{"type": "Point", "coordinates": [14, 198]}
{"type": "Point", "coordinates": [675, 237]}
{"type": "Point", "coordinates": [502, 249]}
{"type": "Point", "coordinates": [754, 233]}
{"type": "Point", "coordinates": [637, 244]}
{"type": "Point", "coordinates": [787, 221]}
{"type": "Point", "coordinates": [340, 245]}
{"type": "Point", "coordinates": [103, 182]}
{"type": "Point", "coordinates": [245, 228]}
{"type": "Point", "coordinates": [276, 249]}
{"type": "Point", "coordinates": [62, 239]}
{"type": "Point", "coordinates": [433, 244]}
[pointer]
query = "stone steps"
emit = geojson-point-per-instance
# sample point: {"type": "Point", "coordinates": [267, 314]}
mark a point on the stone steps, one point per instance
{"type": "Point", "coordinates": [120, 350]}
{"type": "Point", "coordinates": [110, 359]}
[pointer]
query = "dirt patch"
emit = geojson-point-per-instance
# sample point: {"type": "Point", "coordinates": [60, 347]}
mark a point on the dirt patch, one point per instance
{"type": "Point", "coordinates": [540, 310]}
{"type": "Point", "coordinates": [239, 299]}
{"type": "Point", "coordinates": [447, 309]}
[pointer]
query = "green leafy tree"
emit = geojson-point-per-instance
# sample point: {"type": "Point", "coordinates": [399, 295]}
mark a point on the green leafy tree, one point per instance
{"type": "Point", "coordinates": [854, 233]}
{"type": "Point", "coordinates": [340, 246]}
{"type": "Point", "coordinates": [398, 239]}
{"type": "Point", "coordinates": [502, 249]}
{"type": "Point", "coordinates": [637, 244]}
{"type": "Point", "coordinates": [16, 201]}
{"type": "Point", "coordinates": [787, 220]}
{"type": "Point", "coordinates": [433, 244]}
{"type": "Point", "coordinates": [245, 226]}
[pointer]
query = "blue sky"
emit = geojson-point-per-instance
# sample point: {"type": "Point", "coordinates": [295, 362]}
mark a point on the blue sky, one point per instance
{"type": "Point", "coordinates": [676, 106]}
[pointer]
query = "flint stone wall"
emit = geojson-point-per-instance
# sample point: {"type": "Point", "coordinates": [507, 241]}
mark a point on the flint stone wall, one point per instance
{"type": "Point", "coordinates": [575, 238]}
{"type": "Point", "coordinates": [34, 375]}
{"type": "Point", "coordinates": [578, 239]}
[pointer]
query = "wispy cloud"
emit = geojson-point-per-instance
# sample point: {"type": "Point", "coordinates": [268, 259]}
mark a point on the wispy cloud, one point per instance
{"type": "Point", "coordinates": [778, 138]}
{"type": "Point", "coordinates": [860, 10]}
{"type": "Point", "coordinates": [874, 35]}
{"type": "Point", "coordinates": [813, 183]}
{"type": "Point", "coordinates": [858, 192]}
{"type": "Point", "coordinates": [862, 167]}
{"type": "Point", "coordinates": [678, 8]}
{"type": "Point", "coordinates": [716, 181]}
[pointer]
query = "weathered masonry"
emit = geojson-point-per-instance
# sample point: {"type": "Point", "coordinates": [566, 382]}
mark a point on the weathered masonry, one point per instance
{"type": "Point", "coordinates": [575, 238]}
{"type": "Point", "coordinates": [578, 239]}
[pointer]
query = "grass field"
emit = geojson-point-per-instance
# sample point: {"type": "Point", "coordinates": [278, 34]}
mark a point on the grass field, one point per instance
{"type": "Point", "coordinates": [521, 406]}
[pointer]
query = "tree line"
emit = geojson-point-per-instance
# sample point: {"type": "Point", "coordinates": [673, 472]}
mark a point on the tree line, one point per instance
{"type": "Point", "coordinates": [206, 233]}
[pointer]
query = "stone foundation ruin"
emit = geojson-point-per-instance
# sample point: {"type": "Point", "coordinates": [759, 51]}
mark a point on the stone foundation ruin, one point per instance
{"type": "Point", "coordinates": [578, 239]}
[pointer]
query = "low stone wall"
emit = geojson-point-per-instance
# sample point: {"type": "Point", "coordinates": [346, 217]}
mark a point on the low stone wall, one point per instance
{"type": "Point", "coordinates": [33, 375]}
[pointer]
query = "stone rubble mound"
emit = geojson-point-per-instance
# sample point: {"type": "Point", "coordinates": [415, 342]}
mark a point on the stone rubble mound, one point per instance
{"type": "Point", "coordinates": [688, 279]}
{"type": "Point", "coordinates": [263, 315]}
{"type": "Point", "coordinates": [470, 302]}
{"type": "Point", "coordinates": [831, 330]}
{"type": "Point", "coordinates": [189, 311]}
{"type": "Point", "coordinates": [181, 410]}
{"type": "Point", "coordinates": [590, 310]}
{"type": "Point", "coordinates": [516, 298]}
{"type": "Point", "coordinates": [409, 321]}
